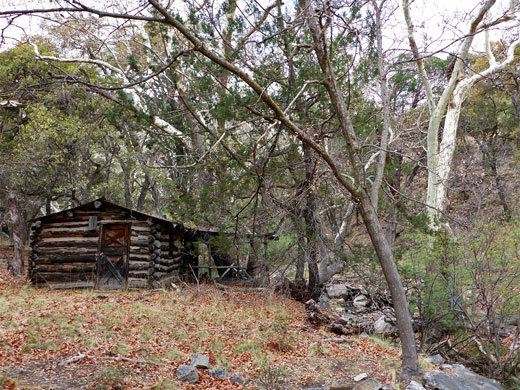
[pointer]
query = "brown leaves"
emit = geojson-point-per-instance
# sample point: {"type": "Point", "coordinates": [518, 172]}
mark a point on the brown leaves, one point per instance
{"type": "Point", "coordinates": [244, 332]}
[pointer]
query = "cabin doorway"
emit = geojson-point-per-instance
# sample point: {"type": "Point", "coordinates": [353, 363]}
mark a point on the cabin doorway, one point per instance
{"type": "Point", "coordinates": [112, 259]}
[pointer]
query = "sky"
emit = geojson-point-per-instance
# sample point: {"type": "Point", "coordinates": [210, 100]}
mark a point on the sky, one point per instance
{"type": "Point", "coordinates": [437, 22]}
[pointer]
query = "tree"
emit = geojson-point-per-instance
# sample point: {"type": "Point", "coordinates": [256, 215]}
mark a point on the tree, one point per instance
{"type": "Point", "coordinates": [319, 24]}
{"type": "Point", "coordinates": [448, 105]}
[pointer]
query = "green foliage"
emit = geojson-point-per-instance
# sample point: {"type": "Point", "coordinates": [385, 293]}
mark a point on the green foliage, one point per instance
{"type": "Point", "coordinates": [467, 286]}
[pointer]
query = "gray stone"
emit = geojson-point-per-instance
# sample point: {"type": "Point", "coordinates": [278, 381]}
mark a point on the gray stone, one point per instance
{"type": "Point", "coordinates": [361, 301]}
{"type": "Point", "coordinates": [200, 361]}
{"type": "Point", "coordinates": [368, 384]}
{"type": "Point", "coordinates": [435, 359]}
{"type": "Point", "coordinates": [324, 301]}
{"type": "Point", "coordinates": [360, 377]}
{"type": "Point", "coordinates": [236, 379]}
{"type": "Point", "coordinates": [458, 377]}
{"type": "Point", "coordinates": [316, 388]}
{"type": "Point", "coordinates": [336, 290]}
{"type": "Point", "coordinates": [187, 373]}
{"type": "Point", "coordinates": [413, 385]}
{"type": "Point", "coordinates": [383, 327]}
{"type": "Point", "coordinates": [217, 373]}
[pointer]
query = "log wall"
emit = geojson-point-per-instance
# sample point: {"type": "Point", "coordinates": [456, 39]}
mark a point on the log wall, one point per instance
{"type": "Point", "coordinates": [64, 248]}
{"type": "Point", "coordinates": [165, 262]}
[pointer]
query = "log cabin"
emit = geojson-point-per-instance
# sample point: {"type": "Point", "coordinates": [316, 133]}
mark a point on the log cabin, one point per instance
{"type": "Point", "coordinates": [107, 246]}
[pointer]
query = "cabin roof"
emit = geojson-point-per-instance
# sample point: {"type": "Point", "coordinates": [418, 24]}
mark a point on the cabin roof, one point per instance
{"type": "Point", "coordinates": [91, 204]}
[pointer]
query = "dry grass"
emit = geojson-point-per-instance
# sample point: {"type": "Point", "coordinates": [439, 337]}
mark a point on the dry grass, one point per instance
{"type": "Point", "coordinates": [260, 336]}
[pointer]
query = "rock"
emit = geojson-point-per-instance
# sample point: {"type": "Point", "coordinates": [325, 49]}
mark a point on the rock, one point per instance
{"type": "Point", "coordinates": [368, 384]}
{"type": "Point", "coordinates": [458, 377]}
{"type": "Point", "coordinates": [324, 301]}
{"type": "Point", "coordinates": [383, 327]}
{"type": "Point", "coordinates": [435, 359]}
{"type": "Point", "coordinates": [217, 373]}
{"type": "Point", "coordinates": [414, 386]}
{"type": "Point", "coordinates": [200, 361]}
{"type": "Point", "coordinates": [360, 377]}
{"type": "Point", "coordinates": [316, 388]}
{"type": "Point", "coordinates": [336, 290]}
{"type": "Point", "coordinates": [187, 373]}
{"type": "Point", "coordinates": [236, 379]}
{"type": "Point", "coordinates": [361, 301]}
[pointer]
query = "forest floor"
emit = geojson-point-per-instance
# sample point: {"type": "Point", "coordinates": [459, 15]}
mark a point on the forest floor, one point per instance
{"type": "Point", "coordinates": [137, 339]}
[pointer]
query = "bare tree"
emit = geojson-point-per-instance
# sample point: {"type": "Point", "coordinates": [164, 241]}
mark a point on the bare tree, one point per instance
{"type": "Point", "coordinates": [449, 104]}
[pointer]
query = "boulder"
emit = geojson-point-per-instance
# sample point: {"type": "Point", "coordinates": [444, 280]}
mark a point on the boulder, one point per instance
{"type": "Point", "coordinates": [413, 385]}
{"type": "Point", "coordinates": [361, 301]}
{"type": "Point", "coordinates": [217, 373]}
{"type": "Point", "coordinates": [336, 290]}
{"type": "Point", "coordinates": [435, 359]}
{"type": "Point", "coordinates": [236, 379]}
{"type": "Point", "coordinates": [458, 377]}
{"type": "Point", "coordinates": [360, 377]}
{"type": "Point", "coordinates": [368, 384]}
{"type": "Point", "coordinates": [200, 361]}
{"type": "Point", "coordinates": [186, 373]}
{"type": "Point", "coordinates": [324, 301]}
{"type": "Point", "coordinates": [383, 327]}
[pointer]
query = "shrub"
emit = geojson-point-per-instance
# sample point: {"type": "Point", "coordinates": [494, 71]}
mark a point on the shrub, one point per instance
{"type": "Point", "coordinates": [466, 290]}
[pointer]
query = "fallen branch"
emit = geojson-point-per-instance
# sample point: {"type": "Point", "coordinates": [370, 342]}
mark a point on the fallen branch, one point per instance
{"type": "Point", "coordinates": [337, 340]}
{"type": "Point", "coordinates": [72, 359]}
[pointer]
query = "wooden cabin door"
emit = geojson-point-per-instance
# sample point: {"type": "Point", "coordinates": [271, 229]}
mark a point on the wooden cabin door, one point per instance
{"type": "Point", "coordinates": [112, 263]}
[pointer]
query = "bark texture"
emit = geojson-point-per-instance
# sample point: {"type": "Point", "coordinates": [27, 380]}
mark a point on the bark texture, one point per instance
{"type": "Point", "coordinates": [16, 265]}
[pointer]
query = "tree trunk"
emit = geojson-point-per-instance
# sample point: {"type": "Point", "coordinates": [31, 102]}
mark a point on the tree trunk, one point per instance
{"type": "Point", "coordinates": [15, 266]}
{"type": "Point", "coordinates": [399, 301]}
{"type": "Point", "coordinates": [312, 228]}
{"type": "Point", "coordinates": [333, 263]}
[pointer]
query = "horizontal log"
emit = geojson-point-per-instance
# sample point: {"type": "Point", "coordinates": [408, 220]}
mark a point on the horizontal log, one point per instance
{"type": "Point", "coordinates": [70, 244]}
{"type": "Point", "coordinates": [138, 283]}
{"type": "Point", "coordinates": [135, 242]}
{"type": "Point", "coordinates": [138, 274]}
{"type": "Point", "coordinates": [59, 286]}
{"type": "Point", "coordinates": [69, 241]}
{"type": "Point", "coordinates": [71, 234]}
{"type": "Point", "coordinates": [139, 237]}
{"type": "Point", "coordinates": [141, 266]}
{"type": "Point", "coordinates": [139, 250]}
{"type": "Point", "coordinates": [64, 251]}
{"type": "Point", "coordinates": [52, 224]}
{"type": "Point", "coordinates": [84, 268]}
{"type": "Point", "coordinates": [139, 257]}
{"type": "Point", "coordinates": [58, 229]}
{"type": "Point", "coordinates": [60, 276]}
{"type": "Point", "coordinates": [140, 228]}
{"type": "Point", "coordinates": [65, 259]}
{"type": "Point", "coordinates": [167, 269]}
{"type": "Point", "coordinates": [112, 220]}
